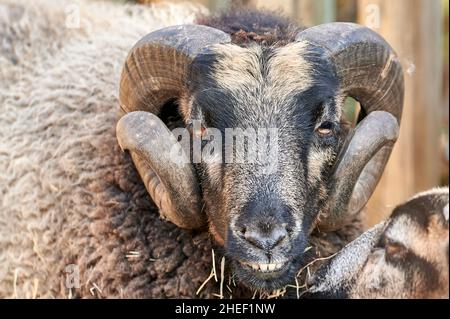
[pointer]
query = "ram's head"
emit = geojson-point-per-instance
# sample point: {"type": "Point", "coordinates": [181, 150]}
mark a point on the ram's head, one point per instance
{"type": "Point", "coordinates": [316, 171]}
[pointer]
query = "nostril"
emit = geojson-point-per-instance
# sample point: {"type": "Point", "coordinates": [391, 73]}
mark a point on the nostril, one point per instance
{"type": "Point", "coordinates": [279, 237]}
{"type": "Point", "coordinates": [265, 240]}
{"type": "Point", "coordinates": [254, 239]}
{"type": "Point", "coordinates": [287, 227]}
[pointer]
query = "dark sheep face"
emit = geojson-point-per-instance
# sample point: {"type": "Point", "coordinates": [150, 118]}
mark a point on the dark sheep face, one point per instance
{"type": "Point", "coordinates": [404, 257]}
{"type": "Point", "coordinates": [263, 197]}
{"type": "Point", "coordinates": [411, 257]}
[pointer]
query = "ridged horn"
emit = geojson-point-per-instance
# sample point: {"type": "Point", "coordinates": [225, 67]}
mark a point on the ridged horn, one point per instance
{"type": "Point", "coordinates": [155, 72]}
{"type": "Point", "coordinates": [369, 71]}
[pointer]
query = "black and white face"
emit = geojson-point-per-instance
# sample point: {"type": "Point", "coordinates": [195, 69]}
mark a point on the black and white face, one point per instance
{"type": "Point", "coordinates": [404, 257]}
{"type": "Point", "coordinates": [410, 259]}
{"type": "Point", "coordinates": [262, 210]}
{"type": "Point", "coordinates": [282, 103]}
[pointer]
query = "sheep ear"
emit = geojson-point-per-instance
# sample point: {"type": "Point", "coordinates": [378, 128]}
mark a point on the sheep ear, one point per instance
{"type": "Point", "coordinates": [165, 169]}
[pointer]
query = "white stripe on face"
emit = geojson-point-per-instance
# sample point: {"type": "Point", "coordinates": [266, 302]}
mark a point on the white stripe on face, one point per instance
{"type": "Point", "coordinates": [241, 72]}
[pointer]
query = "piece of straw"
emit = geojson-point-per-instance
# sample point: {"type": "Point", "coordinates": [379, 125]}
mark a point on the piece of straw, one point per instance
{"type": "Point", "coordinates": [222, 276]}
{"type": "Point", "coordinates": [35, 288]}
{"type": "Point", "coordinates": [214, 264]}
{"type": "Point", "coordinates": [211, 275]}
{"type": "Point", "coordinates": [16, 274]}
{"type": "Point", "coordinates": [312, 262]}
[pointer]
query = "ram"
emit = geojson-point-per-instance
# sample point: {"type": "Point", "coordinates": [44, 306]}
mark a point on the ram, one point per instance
{"type": "Point", "coordinates": [256, 71]}
{"type": "Point", "coordinates": [76, 219]}
{"type": "Point", "coordinates": [403, 257]}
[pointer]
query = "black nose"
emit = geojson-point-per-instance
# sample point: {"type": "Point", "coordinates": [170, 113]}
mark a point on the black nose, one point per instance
{"type": "Point", "coordinates": [263, 223]}
{"type": "Point", "coordinates": [265, 235]}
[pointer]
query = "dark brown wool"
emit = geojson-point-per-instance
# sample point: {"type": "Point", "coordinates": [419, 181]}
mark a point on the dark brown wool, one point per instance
{"type": "Point", "coordinates": [248, 26]}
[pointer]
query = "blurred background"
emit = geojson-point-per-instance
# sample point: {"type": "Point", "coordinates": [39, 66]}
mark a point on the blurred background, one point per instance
{"type": "Point", "coordinates": [418, 31]}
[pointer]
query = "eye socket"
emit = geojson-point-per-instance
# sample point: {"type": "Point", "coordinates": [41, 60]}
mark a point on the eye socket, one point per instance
{"type": "Point", "coordinates": [200, 131]}
{"type": "Point", "coordinates": [395, 251]}
{"type": "Point", "coordinates": [325, 128]}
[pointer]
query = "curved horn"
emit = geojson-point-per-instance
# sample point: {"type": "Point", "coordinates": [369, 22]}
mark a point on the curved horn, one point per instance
{"type": "Point", "coordinates": [155, 72]}
{"type": "Point", "coordinates": [369, 71]}
{"type": "Point", "coordinates": [156, 67]}
{"type": "Point", "coordinates": [156, 152]}
{"type": "Point", "coordinates": [359, 168]}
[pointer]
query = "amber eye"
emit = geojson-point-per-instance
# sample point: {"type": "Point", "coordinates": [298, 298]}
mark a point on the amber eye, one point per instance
{"type": "Point", "coordinates": [200, 131]}
{"type": "Point", "coordinates": [325, 128]}
{"type": "Point", "coordinates": [395, 251]}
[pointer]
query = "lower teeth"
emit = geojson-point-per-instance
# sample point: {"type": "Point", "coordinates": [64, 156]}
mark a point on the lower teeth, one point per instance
{"type": "Point", "coordinates": [264, 268]}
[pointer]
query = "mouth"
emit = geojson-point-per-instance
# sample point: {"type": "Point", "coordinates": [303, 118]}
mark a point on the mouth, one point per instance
{"type": "Point", "coordinates": [264, 268]}
{"type": "Point", "coordinates": [258, 269]}
{"type": "Point", "coordinates": [265, 276]}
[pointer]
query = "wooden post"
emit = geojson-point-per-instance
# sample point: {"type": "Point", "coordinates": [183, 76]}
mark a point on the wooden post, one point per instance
{"type": "Point", "coordinates": [312, 12]}
{"type": "Point", "coordinates": [412, 27]}
{"type": "Point", "coordinates": [218, 5]}
{"type": "Point", "coordinates": [346, 10]}
{"type": "Point", "coordinates": [285, 7]}
{"type": "Point", "coordinates": [307, 12]}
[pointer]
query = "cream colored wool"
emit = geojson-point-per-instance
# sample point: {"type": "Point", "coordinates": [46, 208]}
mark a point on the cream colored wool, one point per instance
{"type": "Point", "coordinates": [68, 196]}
